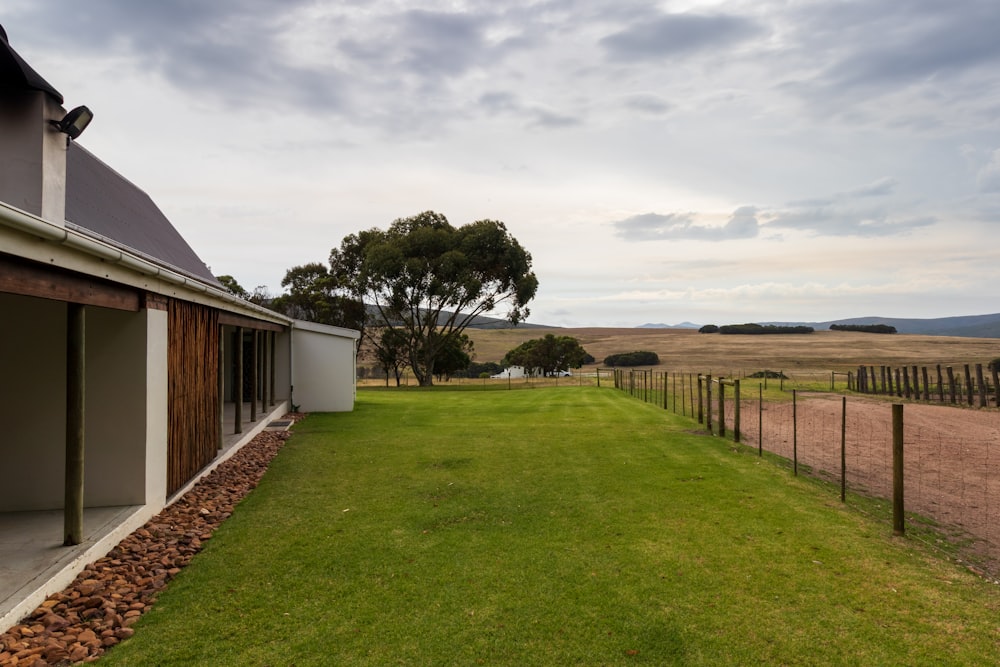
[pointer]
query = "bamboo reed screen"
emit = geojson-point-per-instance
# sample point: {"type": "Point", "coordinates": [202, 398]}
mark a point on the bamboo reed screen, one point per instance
{"type": "Point", "coordinates": [193, 394]}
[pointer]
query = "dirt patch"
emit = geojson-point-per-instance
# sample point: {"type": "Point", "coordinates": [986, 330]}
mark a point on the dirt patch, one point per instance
{"type": "Point", "coordinates": [951, 457]}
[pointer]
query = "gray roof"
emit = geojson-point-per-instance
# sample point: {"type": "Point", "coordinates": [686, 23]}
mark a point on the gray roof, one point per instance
{"type": "Point", "coordinates": [102, 203]}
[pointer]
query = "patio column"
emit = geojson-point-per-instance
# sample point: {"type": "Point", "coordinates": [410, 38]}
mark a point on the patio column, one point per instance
{"type": "Point", "coordinates": [222, 386]}
{"type": "Point", "coordinates": [75, 423]}
{"type": "Point", "coordinates": [253, 374]}
{"type": "Point", "coordinates": [238, 383]}
{"type": "Point", "coordinates": [270, 386]}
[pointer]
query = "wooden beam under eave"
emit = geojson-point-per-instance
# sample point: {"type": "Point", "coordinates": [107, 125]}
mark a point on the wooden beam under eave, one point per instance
{"type": "Point", "coordinates": [27, 278]}
{"type": "Point", "coordinates": [75, 423]}
{"type": "Point", "coordinates": [234, 320]}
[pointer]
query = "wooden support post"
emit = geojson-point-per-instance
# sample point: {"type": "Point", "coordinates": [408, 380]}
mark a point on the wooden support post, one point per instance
{"type": "Point", "coordinates": [254, 368]}
{"type": "Point", "coordinates": [221, 437]}
{"type": "Point", "coordinates": [916, 384]}
{"type": "Point", "coordinates": [76, 396]}
{"type": "Point", "coordinates": [927, 384]}
{"type": "Point", "coordinates": [274, 355]}
{"type": "Point", "coordinates": [940, 382]}
{"type": "Point", "coordinates": [888, 373]}
{"type": "Point", "coordinates": [238, 382]}
{"type": "Point", "coordinates": [951, 385]}
{"type": "Point", "coordinates": [898, 518]}
{"type": "Point", "coordinates": [906, 381]}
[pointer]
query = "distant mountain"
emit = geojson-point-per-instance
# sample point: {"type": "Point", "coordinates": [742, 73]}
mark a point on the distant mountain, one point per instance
{"type": "Point", "coordinates": [968, 326]}
{"type": "Point", "coordinates": [682, 325]}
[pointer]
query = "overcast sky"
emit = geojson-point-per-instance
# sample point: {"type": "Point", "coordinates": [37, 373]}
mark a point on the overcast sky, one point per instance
{"type": "Point", "coordinates": [715, 162]}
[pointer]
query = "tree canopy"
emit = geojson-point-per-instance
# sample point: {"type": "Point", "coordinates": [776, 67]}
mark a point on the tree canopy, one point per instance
{"type": "Point", "coordinates": [549, 354]}
{"type": "Point", "coordinates": [430, 279]}
{"type": "Point", "coordinates": [314, 294]}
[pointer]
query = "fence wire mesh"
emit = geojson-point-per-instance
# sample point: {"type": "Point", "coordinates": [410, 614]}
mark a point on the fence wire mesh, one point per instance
{"type": "Point", "coordinates": [951, 453]}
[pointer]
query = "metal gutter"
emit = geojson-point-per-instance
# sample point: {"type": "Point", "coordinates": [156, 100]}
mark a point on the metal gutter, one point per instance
{"type": "Point", "coordinates": [15, 218]}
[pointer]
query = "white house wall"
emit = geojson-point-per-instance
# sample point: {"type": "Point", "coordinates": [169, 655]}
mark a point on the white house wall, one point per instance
{"type": "Point", "coordinates": [32, 402]}
{"type": "Point", "coordinates": [125, 437]}
{"type": "Point", "coordinates": [323, 367]}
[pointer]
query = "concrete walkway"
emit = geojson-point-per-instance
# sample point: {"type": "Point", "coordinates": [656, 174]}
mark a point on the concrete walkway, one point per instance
{"type": "Point", "coordinates": [33, 561]}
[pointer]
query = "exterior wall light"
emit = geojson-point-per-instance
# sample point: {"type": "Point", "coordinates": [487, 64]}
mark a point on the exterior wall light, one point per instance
{"type": "Point", "coordinates": [75, 122]}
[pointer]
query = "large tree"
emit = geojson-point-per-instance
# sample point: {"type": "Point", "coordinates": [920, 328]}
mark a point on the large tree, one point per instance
{"type": "Point", "coordinates": [431, 280]}
{"type": "Point", "coordinates": [548, 354]}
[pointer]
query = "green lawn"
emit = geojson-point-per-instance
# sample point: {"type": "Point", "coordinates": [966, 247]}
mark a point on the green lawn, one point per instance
{"type": "Point", "coordinates": [561, 526]}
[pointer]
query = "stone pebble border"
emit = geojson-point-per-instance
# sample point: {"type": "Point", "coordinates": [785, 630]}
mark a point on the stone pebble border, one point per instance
{"type": "Point", "coordinates": [97, 610]}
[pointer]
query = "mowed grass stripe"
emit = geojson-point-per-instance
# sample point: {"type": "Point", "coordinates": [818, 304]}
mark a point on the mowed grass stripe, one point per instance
{"type": "Point", "coordinates": [563, 526]}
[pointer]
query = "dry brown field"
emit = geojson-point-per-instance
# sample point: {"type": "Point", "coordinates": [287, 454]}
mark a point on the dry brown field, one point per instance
{"type": "Point", "coordinates": [686, 350]}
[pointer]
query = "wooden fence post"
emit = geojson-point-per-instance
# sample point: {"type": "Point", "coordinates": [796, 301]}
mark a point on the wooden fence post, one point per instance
{"type": "Point", "coordinates": [940, 382]}
{"type": "Point", "coordinates": [982, 385]}
{"type": "Point", "coordinates": [906, 381]}
{"type": "Point", "coordinates": [996, 382]}
{"type": "Point", "coordinates": [722, 408]}
{"type": "Point", "coordinates": [736, 410]}
{"type": "Point", "coordinates": [898, 518]}
{"type": "Point", "coordinates": [701, 414]}
{"type": "Point", "coordinates": [760, 420]}
{"type": "Point", "coordinates": [708, 403]}
{"type": "Point", "coordinates": [968, 384]}
{"type": "Point", "coordinates": [795, 434]}
{"type": "Point", "coordinates": [892, 390]}
{"type": "Point", "coordinates": [916, 384]}
{"type": "Point", "coordinates": [843, 449]}
{"type": "Point", "coordinates": [927, 386]}
{"type": "Point", "coordinates": [951, 385]}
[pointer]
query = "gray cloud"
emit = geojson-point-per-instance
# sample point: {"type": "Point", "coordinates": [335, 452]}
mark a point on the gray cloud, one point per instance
{"type": "Point", "coordinates": [648, 103]}
{"type": "Point", "coordinates": [833, 221]}
{"type": "Point", "coordinates": [844, 57]}
{"type": "Point", "coordinates": [677, 35]}
{"type": "Point", "coordinates": [532, 115]}
{"type": "Point", "coordinates": [682, 226]}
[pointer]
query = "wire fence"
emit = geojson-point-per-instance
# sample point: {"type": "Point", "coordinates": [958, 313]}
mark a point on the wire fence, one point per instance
{"type": "Point", "coordinates": [950, 455]}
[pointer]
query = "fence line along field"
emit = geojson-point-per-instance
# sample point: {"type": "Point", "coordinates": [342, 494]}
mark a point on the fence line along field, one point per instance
{"type": "Point", "coordinates": [688, 350]}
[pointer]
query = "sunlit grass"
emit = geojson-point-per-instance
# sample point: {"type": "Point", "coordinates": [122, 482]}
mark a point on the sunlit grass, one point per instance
{"type": "Point", "coordinates": [553, 526]}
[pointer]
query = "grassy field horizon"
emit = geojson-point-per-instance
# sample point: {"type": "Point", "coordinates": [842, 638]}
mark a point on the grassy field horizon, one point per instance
{"type": "Point", "coordinates": [687, 350]}
{"type": "Point", "coordinates": [555, 526]}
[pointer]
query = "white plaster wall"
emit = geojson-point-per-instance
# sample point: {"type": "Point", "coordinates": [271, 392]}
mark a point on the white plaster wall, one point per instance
{"type": "Point", "coordinates": [323, 371]}
{"type": "Point", "coordinates": [32, 402]}
{"type": "Point", "coordinates": [282, 364]}
{"type": "Point", "coordinates": [116, 408]}
{"type": "Point", "coordinates": [125, 418]}
{"type": "Point", "coordinates": [156, 410]}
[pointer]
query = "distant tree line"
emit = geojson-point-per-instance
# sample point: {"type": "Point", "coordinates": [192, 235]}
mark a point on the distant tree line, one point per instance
{"type": "Point", "coordinates": [758, 329]}
{"type": "Point", "coordinates": [865, 328]}
{"type": "Point", "coordinates": [637, 358]}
